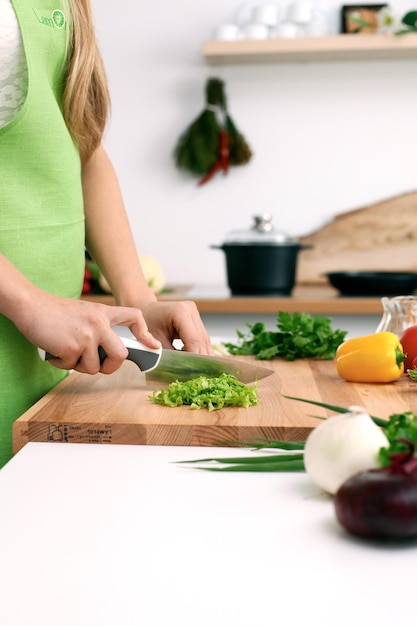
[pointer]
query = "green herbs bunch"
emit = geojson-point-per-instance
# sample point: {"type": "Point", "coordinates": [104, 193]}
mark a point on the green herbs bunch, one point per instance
{"type": "Point", "coordinates": [299, 336]}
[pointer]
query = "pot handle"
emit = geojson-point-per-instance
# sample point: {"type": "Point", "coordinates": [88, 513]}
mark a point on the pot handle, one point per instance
{"type": "Point", "coordinates": [217, 247]}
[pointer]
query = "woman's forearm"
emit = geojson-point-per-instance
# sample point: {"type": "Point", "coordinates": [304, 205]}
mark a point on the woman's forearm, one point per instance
{"type": "Point", "coordinates": [108, 236]}
{"type": "Point", "coordinates": [15, 290]}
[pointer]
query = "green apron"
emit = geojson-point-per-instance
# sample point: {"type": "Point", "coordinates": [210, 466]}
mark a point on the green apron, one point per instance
{"type": "Point", "coordinates": [41, 205]}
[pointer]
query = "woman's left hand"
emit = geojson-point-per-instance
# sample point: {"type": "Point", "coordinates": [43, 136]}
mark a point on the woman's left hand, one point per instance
{"type": "Point", "coordinates": [178, 320]}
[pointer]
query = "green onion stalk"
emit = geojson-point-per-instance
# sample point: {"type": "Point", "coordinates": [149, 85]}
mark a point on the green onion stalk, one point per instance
{"type": "Point", "coordinates": [399, 428]}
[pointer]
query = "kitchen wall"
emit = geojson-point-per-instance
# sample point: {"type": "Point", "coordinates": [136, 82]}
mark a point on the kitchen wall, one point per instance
{"type": "Point", "coordinates": [327, 137]}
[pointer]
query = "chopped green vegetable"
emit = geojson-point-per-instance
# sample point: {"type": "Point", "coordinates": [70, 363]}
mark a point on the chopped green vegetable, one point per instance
{"type": "Point", "coordinates": [412, 373]}
{"type": "Point", "coordinates": [206, 392]}
{"type": "Point", "coordinates": [299, 336]}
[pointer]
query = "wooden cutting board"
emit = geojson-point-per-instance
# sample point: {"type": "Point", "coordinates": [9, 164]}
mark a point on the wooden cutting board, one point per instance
{"type": "Point", "coordinates": [116, 409]}
{"type": "Point", "coordinates": [381, 236]}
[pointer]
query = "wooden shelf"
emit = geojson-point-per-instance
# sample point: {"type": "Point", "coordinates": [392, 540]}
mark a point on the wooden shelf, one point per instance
{"type": "Point", "coordinates": [314, 299]}
{"type": "Point", "coordinates": [308, 49]}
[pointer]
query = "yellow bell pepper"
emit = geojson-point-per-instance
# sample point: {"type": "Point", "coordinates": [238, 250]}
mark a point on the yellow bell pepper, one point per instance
{"type": "Point", "coordinates": [377, 358]}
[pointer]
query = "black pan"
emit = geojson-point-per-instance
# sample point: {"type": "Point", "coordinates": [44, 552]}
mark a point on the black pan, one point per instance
{"type": "Point", "coordinates": [364, 283]}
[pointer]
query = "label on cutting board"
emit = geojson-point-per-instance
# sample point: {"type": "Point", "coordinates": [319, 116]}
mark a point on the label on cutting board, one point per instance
{"type": "Point", "coordinates": [85, 433]}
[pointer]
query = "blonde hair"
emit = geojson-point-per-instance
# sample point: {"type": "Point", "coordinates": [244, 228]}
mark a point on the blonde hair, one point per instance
{"type": "Point", "coordinates": [86, 101]}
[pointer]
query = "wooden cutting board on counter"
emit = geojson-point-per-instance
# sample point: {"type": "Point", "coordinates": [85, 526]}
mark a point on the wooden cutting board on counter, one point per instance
{"type": "Point", "coordinates": [378, 237]}
{"type": "Point", "coordinates": [116, 409]}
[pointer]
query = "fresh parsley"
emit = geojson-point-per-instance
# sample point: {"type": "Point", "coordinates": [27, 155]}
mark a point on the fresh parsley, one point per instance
{"type": "Point", "coordinates": [299, 336]}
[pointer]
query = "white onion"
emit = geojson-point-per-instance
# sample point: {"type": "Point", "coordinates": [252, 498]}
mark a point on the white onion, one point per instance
{"type": "Point", "coordinates": [341, 446]}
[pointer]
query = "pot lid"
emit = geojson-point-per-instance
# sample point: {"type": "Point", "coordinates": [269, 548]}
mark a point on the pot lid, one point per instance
{"type": "Point", "coordinates": [261, 231]}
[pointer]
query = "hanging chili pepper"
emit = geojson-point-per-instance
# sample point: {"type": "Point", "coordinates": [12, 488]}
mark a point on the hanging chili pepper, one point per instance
{"type": "Point", "coordinates": [222, 162]}
{"type": "Point", "coordinates": [376, 358]}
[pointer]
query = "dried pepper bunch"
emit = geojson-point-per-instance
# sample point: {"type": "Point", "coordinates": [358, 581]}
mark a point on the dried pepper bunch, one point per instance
{"type": "Point", "coordinates": [212, 142]}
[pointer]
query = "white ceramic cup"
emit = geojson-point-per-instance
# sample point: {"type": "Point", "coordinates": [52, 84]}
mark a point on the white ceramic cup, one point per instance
{"type": "Point", "coordinates": [255, 31]}
{"type": "Point", "coordinates": [300, 12]}
{"type": "Point", "coordinates": [227, 32]}
{"type": "Point", "coordinates": [266, 13]}
{"type": "Point", "coordinates": [287, 30]}
{"type": "Point", "coordinates": [318, 27]}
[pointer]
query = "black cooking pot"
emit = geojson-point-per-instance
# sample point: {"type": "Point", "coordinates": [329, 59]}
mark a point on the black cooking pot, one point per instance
{"type": "Point", "coordinates": [261, 261]}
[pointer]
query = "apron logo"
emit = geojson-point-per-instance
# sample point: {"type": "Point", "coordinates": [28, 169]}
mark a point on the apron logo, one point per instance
{"type": "Point", "coordinates": [58, 18]}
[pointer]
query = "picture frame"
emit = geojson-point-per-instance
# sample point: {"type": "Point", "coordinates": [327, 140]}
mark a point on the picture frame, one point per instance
{"type": "Point", "coordinates": [365, 12]}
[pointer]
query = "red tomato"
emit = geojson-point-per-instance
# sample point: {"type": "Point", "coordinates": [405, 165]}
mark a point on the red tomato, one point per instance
{"type": "Point", "coordinates": [408, 341]}
{"type": "Point", "coordinates": [87, 281]}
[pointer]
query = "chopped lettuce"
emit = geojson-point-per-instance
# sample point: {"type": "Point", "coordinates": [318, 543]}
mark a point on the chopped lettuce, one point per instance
{"type": "Point", "coordinates": [205, 392]}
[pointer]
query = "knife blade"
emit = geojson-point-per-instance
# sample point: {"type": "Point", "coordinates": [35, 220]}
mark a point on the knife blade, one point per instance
{"type": "Point", "coordinates": [166, 366]}
{"type": "Point", "coordinates": [180, 365]}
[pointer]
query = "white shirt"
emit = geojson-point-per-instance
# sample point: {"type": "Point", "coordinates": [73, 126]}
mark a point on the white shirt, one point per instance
{"type": "Point", "coordinates": [13, 68]}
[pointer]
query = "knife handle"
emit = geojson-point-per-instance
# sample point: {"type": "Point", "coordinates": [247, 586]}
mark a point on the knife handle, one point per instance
{"type": "Point", "coordinates": [145, 358]}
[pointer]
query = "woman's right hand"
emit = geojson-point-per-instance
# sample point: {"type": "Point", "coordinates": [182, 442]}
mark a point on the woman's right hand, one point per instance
{"type": "Point", "coordinates": [73, 330]}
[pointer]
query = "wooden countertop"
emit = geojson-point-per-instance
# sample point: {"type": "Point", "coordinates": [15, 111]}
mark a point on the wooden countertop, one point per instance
{"type": "Point", "coordinates": [315, 299]}
{"type": "Point", "coordinates": [116, 408]}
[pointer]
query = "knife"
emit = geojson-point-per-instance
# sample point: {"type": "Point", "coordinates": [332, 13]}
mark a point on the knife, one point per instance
{"type": "Point", "coordinates": [166, 366]}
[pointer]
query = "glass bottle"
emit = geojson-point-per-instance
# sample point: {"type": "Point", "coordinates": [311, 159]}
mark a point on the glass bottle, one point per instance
{"type": "Point", "coordinates": [399, 313]}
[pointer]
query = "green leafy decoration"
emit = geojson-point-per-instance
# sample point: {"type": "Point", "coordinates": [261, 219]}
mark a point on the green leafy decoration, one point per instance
{"type": "Point", "coordinates": [410, 20]}
{"type": "Point", "coordinates": [240, 152]}
{"type": "Point", "coordinates": [197, 149]}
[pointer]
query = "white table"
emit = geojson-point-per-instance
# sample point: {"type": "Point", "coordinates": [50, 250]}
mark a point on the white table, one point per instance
{"type": "Point", "coordinates": [96, 535]}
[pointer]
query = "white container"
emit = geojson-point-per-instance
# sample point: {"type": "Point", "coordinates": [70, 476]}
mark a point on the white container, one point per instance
{"type": "Point", "coordinates": [227, 32]}
{"type": "Point", "coordinates": [267, 13]}
{"type": "Point", "coordinates": [300, 12]}
{"type": "Point", "coordinates": [287, 30]}
{"type": "Point", "coordinates": [318, 27]}
{"type": "Point", "coordinates": [255, 31]}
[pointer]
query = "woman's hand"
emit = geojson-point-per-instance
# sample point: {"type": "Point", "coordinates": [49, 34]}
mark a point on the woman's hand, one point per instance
{"type": "Point", "coordinates": [73, 330]}
{"type": "Point", "coordinates": [178, 320]}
